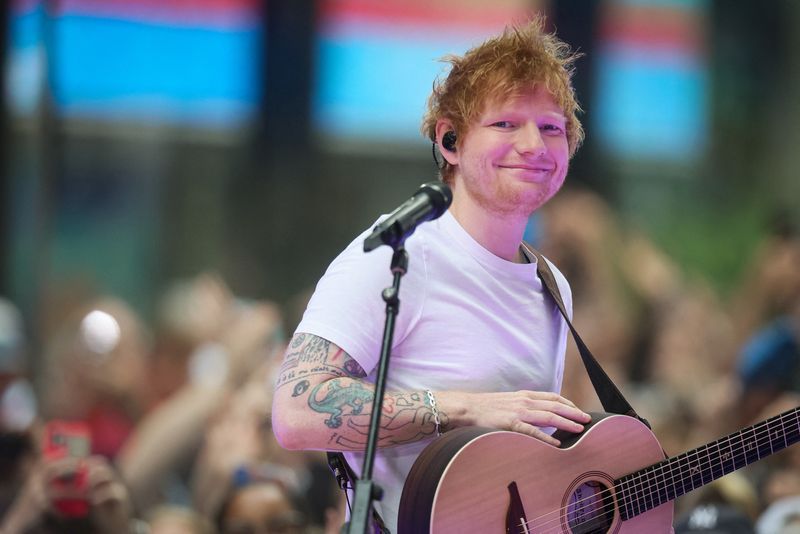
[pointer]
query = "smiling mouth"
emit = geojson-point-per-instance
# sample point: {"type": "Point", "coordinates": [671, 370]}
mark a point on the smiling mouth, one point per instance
{"type": "Point", "coordinates": [527, 168]}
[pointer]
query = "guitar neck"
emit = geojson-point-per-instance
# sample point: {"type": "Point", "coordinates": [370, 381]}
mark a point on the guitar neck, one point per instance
{"type": "Point", "coordinates": [652, 486]}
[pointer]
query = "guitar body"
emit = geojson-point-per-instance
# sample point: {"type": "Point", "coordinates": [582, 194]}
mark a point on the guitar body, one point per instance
{"type": "Point", "coordinates": [481, 480]}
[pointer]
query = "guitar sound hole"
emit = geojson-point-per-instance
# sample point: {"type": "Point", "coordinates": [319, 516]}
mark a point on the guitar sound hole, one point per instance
{"type": "Point", "coordinates": [590, 509]}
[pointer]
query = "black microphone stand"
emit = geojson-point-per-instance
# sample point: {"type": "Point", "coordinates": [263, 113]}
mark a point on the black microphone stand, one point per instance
{"type": "Point", "coordinates": [365, 489]}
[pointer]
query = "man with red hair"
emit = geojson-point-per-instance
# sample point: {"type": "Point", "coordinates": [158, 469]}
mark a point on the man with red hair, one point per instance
{"type": "Point", "coordinates": [477, 340]}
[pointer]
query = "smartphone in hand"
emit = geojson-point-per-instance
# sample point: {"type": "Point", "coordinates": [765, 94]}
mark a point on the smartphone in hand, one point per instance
{"type": "Point", "coordinates": [69, 439]}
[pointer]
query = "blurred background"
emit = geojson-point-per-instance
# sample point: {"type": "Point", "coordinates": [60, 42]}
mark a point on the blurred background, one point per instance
{"type": "Point", "coordinates": [191, 159]}
{"type": "Point", "coordinates": [145, 140]}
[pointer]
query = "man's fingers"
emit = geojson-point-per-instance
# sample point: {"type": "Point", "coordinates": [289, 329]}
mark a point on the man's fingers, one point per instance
{"type": "Point", "coordinates": [548, 396]}
{"type": "Point", "coordinates": [561, 409]}
{"type": "Point", "coordinates": [572, 413]}
{"type": "Point", "coordinates": [544, 400]}
{"type": "Point", "coordinates": [551, 419]}
{"type": "Point", "coordinates": [535, 432]}
{"type": "Point", "coordinates": [564, 400]}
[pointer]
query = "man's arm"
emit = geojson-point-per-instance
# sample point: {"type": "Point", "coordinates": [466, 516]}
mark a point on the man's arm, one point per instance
{"type": "Point", "coordinates": [322, 401]}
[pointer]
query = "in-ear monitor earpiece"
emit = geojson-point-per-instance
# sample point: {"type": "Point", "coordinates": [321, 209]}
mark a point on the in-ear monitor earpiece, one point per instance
{"type": "Point", "coordinates": [449, 141]}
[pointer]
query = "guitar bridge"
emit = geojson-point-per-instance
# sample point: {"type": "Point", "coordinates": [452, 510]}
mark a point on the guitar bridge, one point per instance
{"type": "Point", "coordinates": [516, 522]}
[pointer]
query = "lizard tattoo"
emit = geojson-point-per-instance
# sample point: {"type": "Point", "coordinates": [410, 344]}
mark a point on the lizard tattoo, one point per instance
{"type": "Point", "coordinates": [337, 399]}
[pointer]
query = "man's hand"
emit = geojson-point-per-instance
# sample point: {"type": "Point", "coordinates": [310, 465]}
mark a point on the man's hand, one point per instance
{"type": "Point", "coordinates": [526, 412]}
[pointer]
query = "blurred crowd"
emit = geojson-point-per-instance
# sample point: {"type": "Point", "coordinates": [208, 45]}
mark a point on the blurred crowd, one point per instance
{"type": "Point", "coordinates": [164, 426]}
{"type": "Point", "coordinates": [698, 365]}
{"type": "Point", "coordinates": [161, 428]}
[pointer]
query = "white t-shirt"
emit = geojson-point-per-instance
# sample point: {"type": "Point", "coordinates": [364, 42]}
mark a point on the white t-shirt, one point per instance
{"type": "Point", "coordinates": [468, 321]}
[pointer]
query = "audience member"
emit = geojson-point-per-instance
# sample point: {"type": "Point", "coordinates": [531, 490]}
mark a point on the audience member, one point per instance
{"type": "Point", "coordinates": [36, 509]}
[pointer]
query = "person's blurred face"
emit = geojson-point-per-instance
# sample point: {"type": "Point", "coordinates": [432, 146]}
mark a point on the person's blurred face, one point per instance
{"type": "Point", "coordinates": [261, 508]}
{"type": "Point", "coordinates": [515, 156]}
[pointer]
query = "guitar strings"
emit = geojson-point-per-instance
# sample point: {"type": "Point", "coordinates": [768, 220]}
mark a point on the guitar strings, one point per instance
{"type": "Point", "coordinates": [741, 447]}
{"type": "Point", "coordinates": [609, 508]}
{"type": "Point", "coordinates": [637, 483]}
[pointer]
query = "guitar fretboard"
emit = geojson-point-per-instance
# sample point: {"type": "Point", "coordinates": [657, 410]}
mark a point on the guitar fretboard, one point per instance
{"type": "Point", "coordinates": [653, 486]}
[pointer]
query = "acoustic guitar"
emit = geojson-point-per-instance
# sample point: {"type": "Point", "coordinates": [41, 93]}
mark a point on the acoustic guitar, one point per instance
{"type": "Point", "coordinates": [611, 478]}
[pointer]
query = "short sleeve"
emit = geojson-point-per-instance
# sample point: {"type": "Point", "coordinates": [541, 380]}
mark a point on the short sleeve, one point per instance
{"type": "Point", "coordinates": [347, 308]}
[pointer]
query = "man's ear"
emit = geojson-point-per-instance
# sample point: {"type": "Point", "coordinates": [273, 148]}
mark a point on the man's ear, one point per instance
{"type": "Point", "coordinates": [442, 127]}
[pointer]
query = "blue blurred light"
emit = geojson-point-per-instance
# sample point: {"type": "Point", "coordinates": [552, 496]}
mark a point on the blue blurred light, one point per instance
{"type": "Point", "coordinates": [375, 88]}
{"type": "Point", "coordinates": [651, 104]}
{"type": "Point", "coordinates": [116, 69]}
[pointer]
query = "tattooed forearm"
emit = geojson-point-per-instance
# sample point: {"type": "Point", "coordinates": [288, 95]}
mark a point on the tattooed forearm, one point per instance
{"type": "Point", "coordinates": [406, 417]}
{"type": "Point", "coordinates": [310, 355]}
{"type": "Point", "coordinates": [320, 384]}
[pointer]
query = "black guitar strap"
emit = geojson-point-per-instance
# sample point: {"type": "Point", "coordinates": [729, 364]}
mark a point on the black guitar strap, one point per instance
{"type": "Point", "coordinates": [610, 396]}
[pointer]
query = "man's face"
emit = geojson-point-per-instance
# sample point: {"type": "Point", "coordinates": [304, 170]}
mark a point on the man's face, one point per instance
{"type": "Point", "coordinates": [514, 158]}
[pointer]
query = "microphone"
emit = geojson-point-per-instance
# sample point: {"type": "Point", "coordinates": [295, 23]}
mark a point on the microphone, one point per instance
{"type": "Point", "coordinates": [428, 203]}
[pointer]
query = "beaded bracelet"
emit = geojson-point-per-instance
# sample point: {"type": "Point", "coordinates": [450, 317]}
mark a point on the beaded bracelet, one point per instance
{"type": "Point", "coordinates": [435, 411]}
